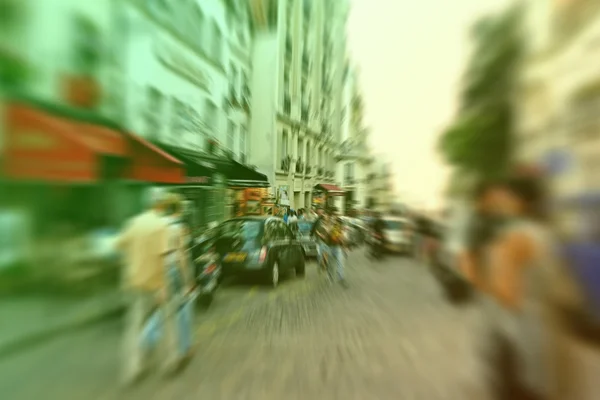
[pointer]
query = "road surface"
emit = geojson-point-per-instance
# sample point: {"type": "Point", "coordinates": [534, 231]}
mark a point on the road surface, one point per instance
{"type": "Point", "coordinates": [390, 335]}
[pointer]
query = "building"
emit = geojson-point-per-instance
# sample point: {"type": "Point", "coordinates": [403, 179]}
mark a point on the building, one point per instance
{"type": "Point", "coordinates": [299, 55]}
{"type": "Point", "coordinates": [186, 67]}
{"type": "Point", "coordinates": [558, 124]}
{"type": "Point", "coordinates": [132, 93]}
{"type": "Point", "coordinates": [380, 186]}
{"type": "Point", "coordinates": [353, 157]}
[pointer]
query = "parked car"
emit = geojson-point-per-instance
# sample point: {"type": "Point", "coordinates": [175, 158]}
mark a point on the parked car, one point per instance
{"type": "Point", "coordinates": [399, 234]}
{"type": "Point", "coordinates": [309, 245]}
{"type": "Point", "coordinates": [258, 245]}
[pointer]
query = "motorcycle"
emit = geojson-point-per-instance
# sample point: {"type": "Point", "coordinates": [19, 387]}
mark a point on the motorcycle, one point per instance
{"type": "Point", "coordinates": [207, 273]}
{"type": "Point", "coordinates": [375, 247]}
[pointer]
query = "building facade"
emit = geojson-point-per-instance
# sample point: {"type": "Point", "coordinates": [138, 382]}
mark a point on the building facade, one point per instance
{"type": "Point", "coordinates": [299, 57]}
{"type": "Point", "coordinates": [559, 125]}
{"type": "Point", "coordinates": [353, 157]}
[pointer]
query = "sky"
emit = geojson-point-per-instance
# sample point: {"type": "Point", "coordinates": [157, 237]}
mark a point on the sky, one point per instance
{"type": "Point", "coordinates": [410, 56]}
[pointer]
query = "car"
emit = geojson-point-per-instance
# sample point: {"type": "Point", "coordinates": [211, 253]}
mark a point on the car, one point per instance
{"type": "Point", "coordinates": [398, 234]}
{"type": "Point", "coordinates": [262, 246]}
{"type": "Point", "coordinates": [309, 245]}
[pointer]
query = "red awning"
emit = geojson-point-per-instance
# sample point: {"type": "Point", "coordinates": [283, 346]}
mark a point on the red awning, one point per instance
{"type": "Point", "coordinates": [40, 146]}
{"type": "Point", "coordinates": [103, 140]}
{"type": "Point", "coordinates": [332, 190]}
{"type": "Point", "coordinates": [151, 164]}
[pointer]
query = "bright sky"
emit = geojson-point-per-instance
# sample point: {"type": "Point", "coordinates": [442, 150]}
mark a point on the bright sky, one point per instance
{"type": "Point", "coordinates": [411, 56]}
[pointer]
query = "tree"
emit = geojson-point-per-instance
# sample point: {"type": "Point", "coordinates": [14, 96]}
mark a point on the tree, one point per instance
{"type": "Point", "coordinates": [480, 138]}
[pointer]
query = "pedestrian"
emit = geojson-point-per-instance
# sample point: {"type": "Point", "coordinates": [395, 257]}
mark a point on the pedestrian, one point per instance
{"type": "Point", "coordinates": [285, 215]}
{"type": "Point", "coordinates": [481, 230]}
{"type": "Point", "coordinates": [293, 221]}
{"type": "Point", "coordinates": [144, 242]}
{"type": "Point", "coordinates": [179, 271]}
{"type": "Point", "coordinates": [319, 234]}
{"type": "Point", "coordinates": [525, 283]}
{"type": "Point", "coordinates": [337, 248]}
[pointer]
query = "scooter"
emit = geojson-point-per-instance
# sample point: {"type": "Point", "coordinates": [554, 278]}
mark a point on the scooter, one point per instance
{"type": "Point", "coordinates": [375, 247]}
{"type": "Point", "coordinates": [207, 273]}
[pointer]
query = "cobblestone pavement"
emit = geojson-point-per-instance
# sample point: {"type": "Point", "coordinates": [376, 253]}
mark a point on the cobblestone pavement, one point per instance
{"type": "Point", "coordinates": [390, 335]}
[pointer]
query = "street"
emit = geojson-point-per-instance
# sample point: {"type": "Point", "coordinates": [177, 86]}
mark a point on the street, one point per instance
{"type": "Point", "coordinates": [390, 335]}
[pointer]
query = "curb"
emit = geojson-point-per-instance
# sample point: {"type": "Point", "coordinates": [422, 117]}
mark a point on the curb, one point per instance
{"type": "Point", "coordinates": [44, 335]}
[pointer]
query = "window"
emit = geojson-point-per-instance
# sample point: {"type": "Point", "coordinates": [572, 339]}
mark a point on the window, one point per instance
{"type": "Point", "coordinates": [210, 115]}
{"type": "Point", "coordinates": [87, 45]}
{"type": "Point", "coordinates": [217, 46]}
{"type": "Point", "coordinates": [153, 111]}
{"type": "Point", "coordinates": [243, 143]}
{"type": "Point", "coordinates": [284, 144]}
{"type": "Point", "coordinates": [231, 136]}
{"type": "Point", "coordinates": [177, 116]}
{"type": "Point", "coordinates": [349, 172]}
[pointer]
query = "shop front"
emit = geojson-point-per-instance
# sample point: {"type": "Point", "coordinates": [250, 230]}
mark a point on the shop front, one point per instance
{"type": "Point", "coordinates": [69, 172]}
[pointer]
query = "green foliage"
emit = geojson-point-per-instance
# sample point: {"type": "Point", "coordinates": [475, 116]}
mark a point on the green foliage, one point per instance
{"type": "Point", "coordinates": [480, 138]}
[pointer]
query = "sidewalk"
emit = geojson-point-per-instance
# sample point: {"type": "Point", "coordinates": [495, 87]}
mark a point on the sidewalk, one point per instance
{"type": "Point", "coordinates": [28, 320]}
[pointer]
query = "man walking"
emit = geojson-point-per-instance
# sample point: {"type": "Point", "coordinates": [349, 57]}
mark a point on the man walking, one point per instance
{"type": "Point", "coordinates": [144, 242]}
{"type": "Point", "coordinates": [337, 244]}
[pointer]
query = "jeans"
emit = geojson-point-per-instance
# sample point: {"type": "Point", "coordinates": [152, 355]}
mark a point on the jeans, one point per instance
{"type": "Point", "coordinates": [184, 312]}
{"type": "Point", "coordinates": [140, 306]}
{"type": "Point", "coordinates": [336, 262]}
{"type": "Point", "coordinates": [322, 249]}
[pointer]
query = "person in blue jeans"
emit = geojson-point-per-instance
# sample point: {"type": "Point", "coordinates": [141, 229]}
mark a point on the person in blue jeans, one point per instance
{"type": "Point", "coordinates": [319, 233]}
{"type": "Point", "coordinates": [179, 272]}
{"type": "Point", "coordinates": [337, 245]}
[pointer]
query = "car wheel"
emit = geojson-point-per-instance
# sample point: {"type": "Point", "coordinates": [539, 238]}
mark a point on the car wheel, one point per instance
{"type": "Point", "coordinates": [301, 268]}
{"type": "Point", "coordinates": [273, 274]}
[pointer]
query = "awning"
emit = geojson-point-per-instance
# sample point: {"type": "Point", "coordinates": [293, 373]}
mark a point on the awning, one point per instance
{"type": "Point", "coordinates": [332, 190]}
{"type": "Point", "coordinates": [44, 147]}
{"type": "Point", "coordinates": [239, 175]}
{"type": "Point", "coordinates": [150, 163]}
{"type": "Point", "coordinates": [198, 171]}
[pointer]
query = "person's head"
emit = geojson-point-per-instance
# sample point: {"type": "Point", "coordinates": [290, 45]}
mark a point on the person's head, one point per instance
{"type": "Point", "coordinates": [156, 199]}
{"type": "Point", "coordinates": [486, 195]}
{"type": "Point", "coordinates": [174, 205]}
{"type": "Point", "coordinates": [522, 196]}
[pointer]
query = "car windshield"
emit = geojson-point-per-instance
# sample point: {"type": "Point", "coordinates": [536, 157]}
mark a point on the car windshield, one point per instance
{"type": "Point", "coordinates": [393, 225]}
{"type": "Point", "coordinates": [246, 228]}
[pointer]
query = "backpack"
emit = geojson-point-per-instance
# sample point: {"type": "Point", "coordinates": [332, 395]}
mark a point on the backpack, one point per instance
{"type": "Point", "coordinates": [336, 234]}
